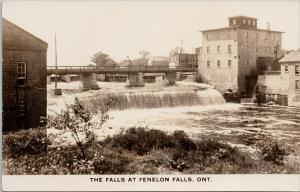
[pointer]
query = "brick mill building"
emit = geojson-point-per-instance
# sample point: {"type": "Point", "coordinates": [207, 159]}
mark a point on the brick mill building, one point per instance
{"type": "Point", "coordinates": [24, 78]}
{"type": "Point", "coordinates": [231, 56]}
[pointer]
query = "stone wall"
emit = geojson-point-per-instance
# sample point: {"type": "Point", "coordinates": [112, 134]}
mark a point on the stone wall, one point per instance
{"type": "Point", "coordinates": [223, 77]}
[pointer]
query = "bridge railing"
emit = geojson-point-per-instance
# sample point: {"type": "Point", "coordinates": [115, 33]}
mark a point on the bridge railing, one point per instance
{"type": "Point", "coordinates": [115, 69]}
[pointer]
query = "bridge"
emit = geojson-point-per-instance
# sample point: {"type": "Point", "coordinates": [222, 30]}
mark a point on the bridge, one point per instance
{"type": "Point", "coordinates": [135, 73]}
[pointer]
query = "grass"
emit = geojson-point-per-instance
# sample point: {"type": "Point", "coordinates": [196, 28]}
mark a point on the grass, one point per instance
{"type": "Point", "coordinates": [140, 150]}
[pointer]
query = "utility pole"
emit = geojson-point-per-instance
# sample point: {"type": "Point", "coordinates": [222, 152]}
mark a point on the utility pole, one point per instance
{"type": "Point", "coordinates": [57, 91]}
{"type": "Point", "coordinates": [181, 46]}
{"type": "Point", "coordinates": [55, 62]}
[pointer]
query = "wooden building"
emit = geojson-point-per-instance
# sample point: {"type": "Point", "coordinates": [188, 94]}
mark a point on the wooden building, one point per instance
{"type": "Point", "coordinates": [24, 78]}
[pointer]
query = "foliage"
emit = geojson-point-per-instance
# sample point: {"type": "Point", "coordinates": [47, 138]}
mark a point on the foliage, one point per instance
{"type": "Point", "coordinates": [268, 149]}
{"type": "Point", "coordinates": [273, 152]}
{"type": "Point", "coordinates": [31, 141]}
{"type": "Point", "coordinates": [76, 119]}
{"type": "Point", "coordinates": [102, 59]}
{"type": "Point", "coordinates": [143, 140]}
{"type": "Point", "coordinates": [167, 154]}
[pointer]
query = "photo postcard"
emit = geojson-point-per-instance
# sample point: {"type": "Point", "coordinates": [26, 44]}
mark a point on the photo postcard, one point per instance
{"type": "Point", "coordinates": [150, 95]}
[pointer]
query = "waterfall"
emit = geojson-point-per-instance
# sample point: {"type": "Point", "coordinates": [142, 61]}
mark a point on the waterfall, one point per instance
{"type": "Point", "coordinates": [155, 99]}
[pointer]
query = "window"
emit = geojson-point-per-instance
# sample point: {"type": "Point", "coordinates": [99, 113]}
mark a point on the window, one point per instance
{"type": "Point", "coordinates": [247, 48]}
{"type": "Point", "coordinates": [275, 49]}
{"type": "Point", "coordinates": [266, 49]}
{"type": "Point", "coordinates": [208, 63]}
{"type": "Point", "coordinates": [208, 49]}
{"type": "Point", "coordinates": [249, 22]}
{"type": "Point", "coordinates": [229, 48]}
{"type": "Point", "coordinates": [247, 61]}
{"type": "Point", "coordinates": [256, 49]}
{"type": "Point", "coordinates": [297, 84]}
{"type": "Point", "coordinates": [207, 36]}
{"type": "Point", "coordinates": [244, 21]}
{"type": "Point", "coordinates": [21, 70]}
{"type": "Point", "coordinates": [218, 49]}
{"type": "Point", "coordinates": [218, 35]}
{"type": "Point", "coordinates": [247, 34]}
{"type": "Point", "coordinates": [234, 22]}
{"type": "Point", "coordinates": [297, 72]}
{"type": "Point", "coordinates": [286, 68]}
{"type": "Point", "coordinates": [229, 63]}
{"type": "Point", "coordinates": [253, 23]}
{"type": "Point", "coordinates": [218, 63]}
{"type": "Point", "coordinates": [266, 36]}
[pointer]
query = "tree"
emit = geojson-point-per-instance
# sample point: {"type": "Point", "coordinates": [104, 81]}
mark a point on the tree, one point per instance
{"type": "Point", "coordinates": [76, 120]}
{"type": "Point", "coordinates": [103, 59]}
{"type": "Point", "coordinates": [144, 54]}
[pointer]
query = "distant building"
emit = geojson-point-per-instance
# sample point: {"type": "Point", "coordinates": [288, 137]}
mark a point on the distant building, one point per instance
{"type": "Point", "coordinates": [159, 61]}
{"type": "Point", "coordinates": [198, 50]}
{"type": "Point", "coordinates": [24, 78]}
{"type": "Point", "coordinates": [187, 60]}
{"type": "Point", "coordinates": [286, 81]}
{"type": "Point", "coordinates": [230, 56]}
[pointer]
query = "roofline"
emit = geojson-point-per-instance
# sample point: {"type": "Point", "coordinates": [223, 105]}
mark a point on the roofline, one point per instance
{"type": "Point", "coordinates": [290, 62]}
{"type": "Point", "coordinates": [240, 28]}
{"type": "Point", "coordinates": [242, 16]}
{"type": "Point", "coordinates": [25, 31]}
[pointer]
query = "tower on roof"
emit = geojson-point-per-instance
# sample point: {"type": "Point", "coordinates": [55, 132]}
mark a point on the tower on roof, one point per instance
{"type": "Point", "coordinates": [243, 22]}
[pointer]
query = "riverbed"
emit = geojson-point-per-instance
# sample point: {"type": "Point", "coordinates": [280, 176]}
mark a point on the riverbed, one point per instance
{"type": "Point", "coordinates": [227, 121]}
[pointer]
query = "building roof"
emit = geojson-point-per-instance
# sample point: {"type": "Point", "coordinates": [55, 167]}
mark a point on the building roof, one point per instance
{"type": "Point", "coordinates": [225, 28]}
{"type": "Point", "coordinates": [293, 56]}
{"type": "Point", "coordinates": [10, 23]}
{"type": "Point", "coordinates": [16, 38]}
{"type": "Point", "coordinates": [242, 16]}
{"type": "Point", "coordinates": [160, 58]}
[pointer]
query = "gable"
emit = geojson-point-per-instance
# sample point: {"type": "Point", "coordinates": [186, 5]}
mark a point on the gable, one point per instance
{"type": "Point", "coordinates": [16, 38]}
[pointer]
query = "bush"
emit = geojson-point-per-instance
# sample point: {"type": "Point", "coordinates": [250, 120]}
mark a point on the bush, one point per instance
{"type": "Point", "coordinates": [272, 152]}
{"type": "Point", "coordinates": [31, 141]}
{"type": "Point", "coordinates": [143, 140]}
{"type": "Point", "coordinates": [76, 119]}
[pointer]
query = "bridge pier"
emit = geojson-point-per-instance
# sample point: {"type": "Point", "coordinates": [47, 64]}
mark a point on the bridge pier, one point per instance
{"type": "Point", "coordinates": [89, 81]}
{"type": "Point", "coordinates": [136, 79]}
{"type": "Point", "coordinates": [171, 77]}
{"type": "Point", "coordinates": [66, 78]}
{"type": "Point", "coordinates": [177, 76]}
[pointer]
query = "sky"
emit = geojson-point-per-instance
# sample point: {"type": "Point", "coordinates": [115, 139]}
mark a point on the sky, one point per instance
{"type": "Point", "coordinates": [124, 28]}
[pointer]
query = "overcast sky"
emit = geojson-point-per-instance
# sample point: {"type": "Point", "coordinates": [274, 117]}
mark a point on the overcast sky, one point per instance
{"type": "Point", "coordinates": [121, 28]}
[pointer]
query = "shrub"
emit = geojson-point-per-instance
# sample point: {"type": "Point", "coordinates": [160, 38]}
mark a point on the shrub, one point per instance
{"type": "Point", "coordinates": [76, 119]}
{"type": "Point", "coordinates": [143, 140]}
{"type": "Point", "coordinates": [31, 141]}
{"type": "Point", "coordinates": [272, 152]}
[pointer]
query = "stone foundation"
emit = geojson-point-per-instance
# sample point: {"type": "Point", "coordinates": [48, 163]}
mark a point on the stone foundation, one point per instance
{"type": "Point", "coordinates": [89, 82]}
{"type": "Point", "coordinates": [171, 77]}
{"type": "Point", "coordinates": [66, 78]}
{"type": "Point", "coordinates": [136, 79]}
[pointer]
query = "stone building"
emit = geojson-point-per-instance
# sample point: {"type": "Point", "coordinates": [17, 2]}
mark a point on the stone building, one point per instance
{"type": "Point", "coordinates": [24, 78]}
{"type": "Point", "coordinates": [285, 81]}
{"type": "Point", "coordinates": [231, 55]}
{"type": "Point", "coordinates": [185, 60]}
